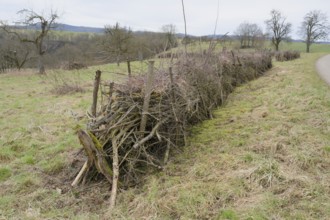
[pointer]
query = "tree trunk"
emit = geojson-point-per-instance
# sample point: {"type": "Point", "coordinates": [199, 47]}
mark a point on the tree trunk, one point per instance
{"type": "Point", "coordinates": [96, 155]}
{"type": "Point", "coordinates": [129, 68]}
{"type": "Point", "coordinates": [118, 61]}
{"type": "Point", "coordinates": [308, 47]}
{"type": "Point", "coordinates": [41, 67]}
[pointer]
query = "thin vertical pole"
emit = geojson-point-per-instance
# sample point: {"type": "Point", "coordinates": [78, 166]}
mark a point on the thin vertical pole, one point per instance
{"type": "Point", "coordinates": [148, 90]}
{"type": "Point", "coordinates": [95, 91]}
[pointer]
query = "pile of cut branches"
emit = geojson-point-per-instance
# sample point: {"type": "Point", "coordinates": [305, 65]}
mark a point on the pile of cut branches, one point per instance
{"type": "Point", "coordinates": [287, 55]}
{"type": "Point", "coordinates": [73, 66]}
{"type": "Point", "coordinates": [143, 120]}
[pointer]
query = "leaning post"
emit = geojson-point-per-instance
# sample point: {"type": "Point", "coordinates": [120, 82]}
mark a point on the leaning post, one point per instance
{"type": "Point", "coordinates": [95, 92]}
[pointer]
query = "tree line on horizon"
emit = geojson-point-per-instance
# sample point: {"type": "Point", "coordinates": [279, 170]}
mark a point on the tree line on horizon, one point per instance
{"type": "Point", "coordinates": [41, 46]}
{"type": "Point", "coordinates": [314, 27]}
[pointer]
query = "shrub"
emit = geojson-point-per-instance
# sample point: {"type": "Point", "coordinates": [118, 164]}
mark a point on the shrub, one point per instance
{"type": "Point", "coordinates": [287, 55]}
{"type": "Point", "coordinates": [65, 83]}
{"type": "Point", "coordinates": [73, 66]}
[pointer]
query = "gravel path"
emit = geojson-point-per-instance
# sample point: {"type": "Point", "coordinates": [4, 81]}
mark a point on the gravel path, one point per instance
{"type": "Point", "coordinates": [323, 67]}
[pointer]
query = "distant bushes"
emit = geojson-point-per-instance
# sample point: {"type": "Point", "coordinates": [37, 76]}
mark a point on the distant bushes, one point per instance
{"type": "Point", "coordinates": [73, 66]}
{"type": "Point", "coordinates": [286, 55]}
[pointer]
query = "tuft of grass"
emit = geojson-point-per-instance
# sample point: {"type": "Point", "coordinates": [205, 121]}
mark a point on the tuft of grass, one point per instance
{"type": "Point", "coordinates": [6, 154]}
{"type": "Point", "coordinates": [266, 173]}
{"type": "Point", "coordinates": [327, 149]}
{"type": "Point", "coordinates": [5, 173]}
{"type": "Point", "coordinates": [29, 159]}
{"type": "Point", "coordinates": [25, 183]}
{"type": "Point", "coordinates": [227, 214]}
{"type": "Point", "coordinates": [53, 166]}
{"type": "Point", "coordinates": [248, 158]}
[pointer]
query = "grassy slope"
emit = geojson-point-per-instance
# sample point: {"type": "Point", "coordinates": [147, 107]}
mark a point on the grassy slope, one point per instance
{"type": "Point", "coordinates": [265, 154]}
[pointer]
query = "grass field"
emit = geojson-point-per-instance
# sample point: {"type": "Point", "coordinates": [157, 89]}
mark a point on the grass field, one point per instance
{"type": "Point", "coordinates": [265, 155]}
{"type": "Point", "coordinates": [235, 45]}
{"type": "Point", "coordinates": [300, 46]}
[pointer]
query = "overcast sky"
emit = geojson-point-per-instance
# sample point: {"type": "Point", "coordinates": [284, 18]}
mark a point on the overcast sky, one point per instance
{"type": "Point", "coordinates": [153, 14]}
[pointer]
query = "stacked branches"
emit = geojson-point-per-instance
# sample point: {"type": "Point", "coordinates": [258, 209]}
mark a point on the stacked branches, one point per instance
{"type": "Point", "coordinates": [286, 55]}
{"type": "Point", "coordinates": [128, 135]}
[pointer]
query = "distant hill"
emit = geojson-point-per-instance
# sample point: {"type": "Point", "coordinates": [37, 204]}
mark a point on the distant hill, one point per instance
{"type": "Point", "coordinates": [83, 29]}
{"type": "Point", "coordinates": [64, 27]}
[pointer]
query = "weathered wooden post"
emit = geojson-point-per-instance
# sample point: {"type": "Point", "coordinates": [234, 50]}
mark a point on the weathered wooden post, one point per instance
{"type": "Point", "coordinates": [129, 68]}
{"type": "Point", "coordinates": [95, 92]}
{"type": "Point", "coordinates": [148, 90]}
{"type": "Point", "coordinates": [111, 85]}
{"type": "Point", "coordinates": [173, 103]}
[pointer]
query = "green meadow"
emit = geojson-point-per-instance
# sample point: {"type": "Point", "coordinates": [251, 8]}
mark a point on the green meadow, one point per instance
{"type": "Point", "coordinates": [264, 155]}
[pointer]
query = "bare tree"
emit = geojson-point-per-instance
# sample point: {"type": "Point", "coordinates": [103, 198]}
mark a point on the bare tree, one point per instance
{"type": "Point", "coordinates": [243, 34]}
{"type": "Point", "coordinates": [249, 34]}
{"type": "Point", "coordinates": [117, 42]}
{"type": "Point", "coordinates": [42, 24]}
{"type": "Point", "coordinates": [278, 28]}
{"type": "Point", "coordinates": [314, 27]}
{"type": "Point", "coordinates": [170, 31]}
{"type": "Point", "coordinates": [17, 59]}
{"type": "Point", "coordinates": [14, 53]}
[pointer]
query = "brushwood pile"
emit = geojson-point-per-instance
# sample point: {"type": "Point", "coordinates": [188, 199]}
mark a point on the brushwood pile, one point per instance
{"type": "Point", "coordinates": [286, 55]}
{"type": "Point", "coordinates": [129, 135]}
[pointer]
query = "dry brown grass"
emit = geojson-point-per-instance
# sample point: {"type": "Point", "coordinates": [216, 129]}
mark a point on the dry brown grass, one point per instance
{"type": "Point", "coordinates": [65, 82]}
{"type": "Point", "coordinates": [286, 55]}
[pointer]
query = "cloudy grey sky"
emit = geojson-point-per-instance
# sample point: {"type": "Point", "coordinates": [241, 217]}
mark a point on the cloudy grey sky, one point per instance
{"type": "Point", "coordinates": [152, 14]}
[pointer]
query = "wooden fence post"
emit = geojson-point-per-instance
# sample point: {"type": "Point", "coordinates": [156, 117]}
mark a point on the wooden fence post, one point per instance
{"type": "Point", "coordinates": [173, 94]}
{"type": "Point", "coordinates": [173, 103]}
{"type": "Point", "coordinates": [95, 92]}
{"type": "Point", "coordinates": [129, 68]}
{"type": "Point", "coordinates": [148, 90]}
{"type": "Point", "coordinates": [111, 85]}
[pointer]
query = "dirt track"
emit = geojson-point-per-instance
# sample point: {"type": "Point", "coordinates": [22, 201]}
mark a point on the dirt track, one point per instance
{"type": "Point", "coordinates": [323, 67]}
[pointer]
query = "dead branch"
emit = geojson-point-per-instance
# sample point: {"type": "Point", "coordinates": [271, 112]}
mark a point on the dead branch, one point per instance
{"type": "Point", "coordinates": [80, 175]}
{"type": "Point", "coordinates": [95, 155]}
{"type": "Point", "coordinates": [148, 137]}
